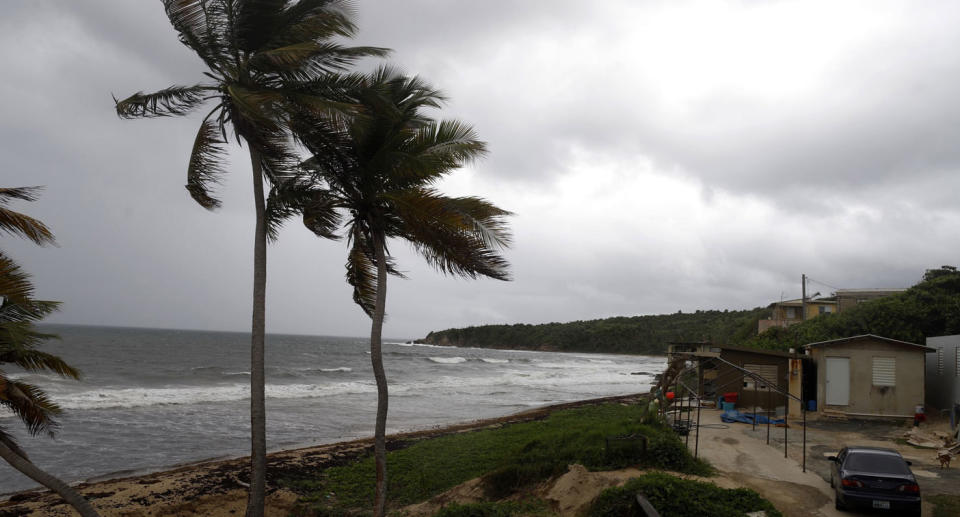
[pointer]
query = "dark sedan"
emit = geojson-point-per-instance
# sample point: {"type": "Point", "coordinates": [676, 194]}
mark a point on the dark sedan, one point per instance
{"type": "Point", "coordinates": [871, 477]}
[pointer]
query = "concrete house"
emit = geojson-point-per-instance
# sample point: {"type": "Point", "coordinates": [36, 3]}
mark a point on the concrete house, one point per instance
{"type": "Point", "coordinates": [869, 376]}
{"type": "Point", "coordinates": [943, 373]}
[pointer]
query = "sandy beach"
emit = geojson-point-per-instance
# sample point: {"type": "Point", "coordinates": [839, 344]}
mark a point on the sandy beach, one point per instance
{"type": "Point", "coordinates": [218, 488]}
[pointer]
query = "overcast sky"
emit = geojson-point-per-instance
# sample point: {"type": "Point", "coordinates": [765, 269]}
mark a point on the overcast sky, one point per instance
{"type": "Point", "coordinates": [660, 156]}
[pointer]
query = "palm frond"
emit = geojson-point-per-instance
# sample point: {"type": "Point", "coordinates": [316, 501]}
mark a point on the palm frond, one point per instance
{"type": "Point", "coordinates": [255, 107]}
{"type": "Point", "coordinates": [32, 311]}
{"type": "Point", "coordinates": [314, 20]}
{"type": "Point", "coordinates": [19, 224]}
{"type": "Point", "coordinates": [321, 216]}
{"type": "Point", "coordinates": [198, 24]}
{"type": "Point", "coordinates": [36, 361]}
{"type": "Point", "coordinates": [30, 404]}
{"type": "Point", "coordinates": [256, 22]}
{"type": "Point", "coordinates": [309, 60]}
{"type": "Point", "coordinates": [21, 193]}
{"type": "Point", "coordinates": [457, 236]}
{"type": "Point", "coordinates": [205, 168]}
{"type": "Point", "coordinates": [443, 146]}
{"type": "Point", "coordinates": [15, 284]}
{"type": "Point", "coordinates": [175, 100]}
{"type": "Point", "coordinates": [362, 275]}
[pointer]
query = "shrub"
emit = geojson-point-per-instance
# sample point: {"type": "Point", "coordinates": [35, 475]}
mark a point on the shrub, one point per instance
{"type": "Point", "coordinates": [675, 497]}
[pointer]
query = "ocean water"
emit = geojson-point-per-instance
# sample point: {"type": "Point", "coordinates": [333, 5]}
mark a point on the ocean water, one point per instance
{"type": "Point", "coordinates": [154, 398]}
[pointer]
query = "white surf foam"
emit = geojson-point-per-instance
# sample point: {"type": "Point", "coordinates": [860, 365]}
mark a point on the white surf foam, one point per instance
{"type": "Point", "coordinates": [448, 360]}
{"type": "Point", "coordinates": [142, 397]}
{"type": "Point", "coordinates": [494, 361]}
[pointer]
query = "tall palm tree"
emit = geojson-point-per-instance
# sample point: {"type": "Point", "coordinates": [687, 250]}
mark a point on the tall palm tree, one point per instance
{"type": "Point", "coordinates": [18, 341]}
{"type": "Point", "coordinates": [371, 180]}
{"type": "Point", "coordinates": [267, 60]}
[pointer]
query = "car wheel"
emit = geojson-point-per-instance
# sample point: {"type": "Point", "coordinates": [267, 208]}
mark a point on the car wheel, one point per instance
{"type": "Point", "coordinates": [837, 504]}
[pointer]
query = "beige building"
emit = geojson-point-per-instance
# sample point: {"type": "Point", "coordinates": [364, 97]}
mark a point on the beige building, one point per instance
{"type": "Point", "coordinates": [869, 376]}
{"type": "Point", "coordinates": [790, 312]}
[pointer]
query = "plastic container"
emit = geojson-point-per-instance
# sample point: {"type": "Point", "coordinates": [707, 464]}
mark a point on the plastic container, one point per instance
{"type": "Point", "coordinates": [731, 396]}
{"type": "Point", "coordinates": [727, 406]}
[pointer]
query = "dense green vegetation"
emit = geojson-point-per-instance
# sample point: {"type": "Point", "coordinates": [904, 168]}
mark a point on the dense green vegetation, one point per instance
{"type": "Point", "coordinates": [630, 335]}
{"type": "Point", "coordinates": [509, 458]}
{"type": "Point", "coordinates": [675, 497]}
{"type": "Point", "coordinates": [930, 308]}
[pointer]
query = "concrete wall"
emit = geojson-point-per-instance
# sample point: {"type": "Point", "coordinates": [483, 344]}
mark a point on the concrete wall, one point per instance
{"type": "Point", "coordinates": [865, 398]}
{"type": "Point", "coordinates": [943, 381]}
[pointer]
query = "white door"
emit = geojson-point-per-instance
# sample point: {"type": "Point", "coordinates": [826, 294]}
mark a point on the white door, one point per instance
{"type": "Point", "coordinates": [838, 381]}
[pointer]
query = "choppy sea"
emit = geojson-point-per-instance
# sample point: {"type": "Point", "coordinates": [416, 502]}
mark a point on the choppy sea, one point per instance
{"type": "Point", "coordinates": [153, 398]}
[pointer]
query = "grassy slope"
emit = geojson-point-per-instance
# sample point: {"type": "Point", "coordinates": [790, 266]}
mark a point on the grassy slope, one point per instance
{"type": "Point", "coordinates": [511, 457]}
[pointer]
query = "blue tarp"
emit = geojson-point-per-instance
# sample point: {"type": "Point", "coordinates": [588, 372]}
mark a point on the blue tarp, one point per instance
{"type": "Point", "coordinates": [732, 415]}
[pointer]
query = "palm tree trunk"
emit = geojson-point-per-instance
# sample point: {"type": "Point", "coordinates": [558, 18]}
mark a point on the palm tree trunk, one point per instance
{"type": "Point", "coordinates": [258, 412]}
{"type": "Point", "coordinates": [376, 357]}
{"type": "Point", "coordinates": [35, 473]}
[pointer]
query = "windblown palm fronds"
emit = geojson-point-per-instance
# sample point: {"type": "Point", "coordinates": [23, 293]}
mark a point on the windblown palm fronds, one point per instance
{"type": "Point", "coordinates": [269, 62]}
{"type": "Point", "coordinates": [370, 180]}
{"type": "Point", "coordinates": [19, 340]}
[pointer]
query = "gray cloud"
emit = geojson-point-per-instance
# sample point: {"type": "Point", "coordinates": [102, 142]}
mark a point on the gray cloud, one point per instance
{"type": "Point", "coordinates": [660, 156]}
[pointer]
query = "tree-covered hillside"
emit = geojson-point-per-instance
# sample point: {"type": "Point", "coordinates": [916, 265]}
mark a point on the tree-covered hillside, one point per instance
{"type": "Point", "coordinates": [930, 308]}
{"type": "Point", "coordinates": [630, 335]}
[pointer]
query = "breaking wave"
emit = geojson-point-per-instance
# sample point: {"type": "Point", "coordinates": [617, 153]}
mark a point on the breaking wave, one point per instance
{"type": "Point", "coordinates": [448, 360]}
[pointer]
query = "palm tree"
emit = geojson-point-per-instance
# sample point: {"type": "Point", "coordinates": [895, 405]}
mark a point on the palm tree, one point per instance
{"type": "Point", "coordinates": [371, 179]}
{"type": "Point", "coordinates": [18, 342]}
{"type": "Point", "coordinates": [267, 60]}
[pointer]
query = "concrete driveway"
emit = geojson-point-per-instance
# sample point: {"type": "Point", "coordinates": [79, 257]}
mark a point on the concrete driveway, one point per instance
{"type": "Point", "coordinates": [746, 460]}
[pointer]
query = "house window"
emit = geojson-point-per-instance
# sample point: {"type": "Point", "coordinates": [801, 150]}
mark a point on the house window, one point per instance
{"type": "Point", "coordinates": [884, 371]}
{"type": "Point", "coordinates": [791, 313]}
{"type": "Point", "coordinates": [940, 360]}
{"type": "Point", "coordinates": [825, 309]}
{"type": "Point", "coordinates": [767, 371]}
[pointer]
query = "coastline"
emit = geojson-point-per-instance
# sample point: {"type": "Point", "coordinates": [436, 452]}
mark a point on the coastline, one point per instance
{"type": "Point", "coordinates": [218, 486]}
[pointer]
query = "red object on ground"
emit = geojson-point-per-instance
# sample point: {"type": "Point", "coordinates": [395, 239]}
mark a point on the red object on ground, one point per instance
{"type": "Point", "coordinates": [730, 396]}
{"type": "Point", "coordinates": [670, 395]}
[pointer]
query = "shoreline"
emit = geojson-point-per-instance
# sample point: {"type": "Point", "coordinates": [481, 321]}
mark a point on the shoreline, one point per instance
{"type": "Point", "coordinates": [212, 484]}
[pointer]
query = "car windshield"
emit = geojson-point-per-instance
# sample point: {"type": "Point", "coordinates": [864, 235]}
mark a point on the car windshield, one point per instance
{"type": "Point", "coordinates": [878, 463]}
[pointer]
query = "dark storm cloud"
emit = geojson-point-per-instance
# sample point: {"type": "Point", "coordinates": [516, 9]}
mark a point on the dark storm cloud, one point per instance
{"type": "Point", "coordinates": [660, 156]}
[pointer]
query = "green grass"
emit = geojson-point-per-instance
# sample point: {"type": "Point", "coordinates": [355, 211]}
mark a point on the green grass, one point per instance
{"type": "Point", "coordinates": [946, 505]}
{"type": "Point", "coordinates": [510, 457]}
{"type": "Point", "coordinates": [534, 508]}
{"type": "Point", "coordinates": [675, 497]}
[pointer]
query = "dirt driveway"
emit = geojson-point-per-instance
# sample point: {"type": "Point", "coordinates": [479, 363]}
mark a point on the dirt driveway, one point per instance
{"type": "Point", "coordinates": [742, 454]}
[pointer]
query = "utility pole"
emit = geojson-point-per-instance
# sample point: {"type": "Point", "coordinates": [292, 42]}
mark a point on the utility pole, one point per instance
{"type": "Point", "coordinates": [803, 300]}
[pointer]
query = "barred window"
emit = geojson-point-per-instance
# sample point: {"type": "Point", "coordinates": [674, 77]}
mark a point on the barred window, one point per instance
{"type": "Point", "coordinates": [884, 371]}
